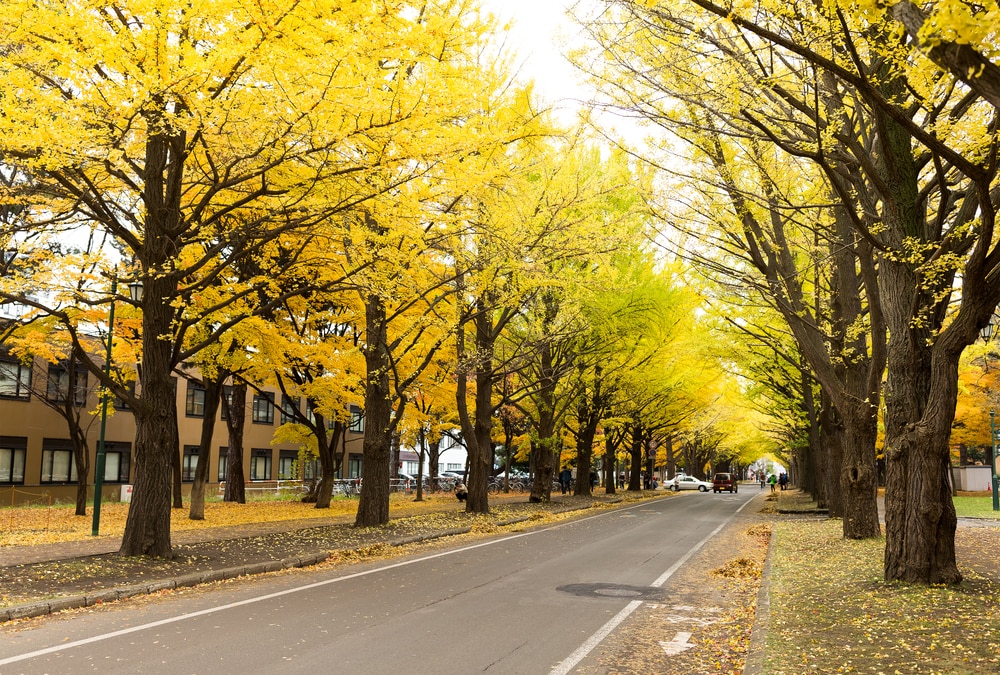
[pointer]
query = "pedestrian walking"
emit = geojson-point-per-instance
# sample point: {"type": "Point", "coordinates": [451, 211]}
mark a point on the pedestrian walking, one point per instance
{"type": "Point", "coordinates": [565, 476]}
{"type": "Point", "coordinates": [772, 479]}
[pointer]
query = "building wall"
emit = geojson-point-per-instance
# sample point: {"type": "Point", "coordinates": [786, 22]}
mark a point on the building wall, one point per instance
{"type": "Point", "coordinates": [972, 478]}
{"type": "Point", "coordinates": [44, 434]}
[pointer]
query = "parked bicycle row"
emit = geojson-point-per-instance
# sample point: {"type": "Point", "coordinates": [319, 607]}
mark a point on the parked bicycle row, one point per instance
{"type": "Point", "coordinates": [446, 482]}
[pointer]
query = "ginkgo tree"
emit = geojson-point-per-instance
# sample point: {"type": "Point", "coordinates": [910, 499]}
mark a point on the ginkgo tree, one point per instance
{"type": "Point", "coordinates": [642, 336]}
{"type": "Point", "coordinates": [905, 152]}
{"type": "Point", "coordinates": [527, 241]}
{"type": "Point", "coordinates": [195, 134]}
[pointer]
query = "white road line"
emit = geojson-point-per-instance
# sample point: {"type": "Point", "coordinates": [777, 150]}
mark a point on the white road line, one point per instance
{"type": "Point", "coordinates": [297, 589]}
{"type": "Point", "coordinates": [571, 661]}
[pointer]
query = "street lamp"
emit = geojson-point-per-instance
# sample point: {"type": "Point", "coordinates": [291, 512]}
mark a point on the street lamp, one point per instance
{"type": "Point", "coordinates": [135, 293]}
{"type": "Point", "coordinates": [135, 290]}
{"type": "Point", "coordinates": [986, 332]}
{"type": "Point", "coordinates": [101, 457]}
{"type": "Point", "coordinates": [993, 460]}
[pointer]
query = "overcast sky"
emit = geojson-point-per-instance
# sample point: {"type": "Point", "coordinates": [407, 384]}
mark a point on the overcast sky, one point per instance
{"type": "Point", "coordinates": [538, 26]}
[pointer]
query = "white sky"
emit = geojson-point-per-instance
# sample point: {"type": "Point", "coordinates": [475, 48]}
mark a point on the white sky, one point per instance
{"type": "Point", "coordinates": [538, 25]}
{"type": "Point", "coordinates": [539, 30]}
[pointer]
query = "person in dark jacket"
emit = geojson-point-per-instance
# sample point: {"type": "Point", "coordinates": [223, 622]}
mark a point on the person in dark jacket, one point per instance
{"type": "Point", "coordinates": [565, 476]}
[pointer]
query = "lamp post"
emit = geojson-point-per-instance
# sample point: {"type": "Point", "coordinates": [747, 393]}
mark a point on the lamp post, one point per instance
{"type": "Point", "coordinates": [986, 333]}
{"type": "Point", "coordinates": [101, 457]}
{"type": "Point", "coordinates": [993, 460]}
{"type": "Point", "coordinates": [135, 292]}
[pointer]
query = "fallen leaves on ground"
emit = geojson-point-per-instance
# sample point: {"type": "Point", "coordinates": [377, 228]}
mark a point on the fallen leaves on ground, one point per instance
{"type": "Point", "coordinates": [831, 611]}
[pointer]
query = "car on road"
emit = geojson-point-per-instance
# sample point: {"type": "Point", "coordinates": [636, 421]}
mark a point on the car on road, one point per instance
{"type": "Point", "coordinates": [724, 482]}
{"type": "Point", "coordinates": [689, 483]}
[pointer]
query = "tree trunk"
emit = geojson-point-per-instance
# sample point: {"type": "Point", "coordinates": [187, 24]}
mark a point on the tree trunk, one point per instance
{"type": "Point", "coordinates": [147, 528]}
{"type": "Point", "coordinates": [433, 455]}
{"type": "Point", "coordinates": [235, 421]}
{"type": "Point", "coordinates": [81, 450]}
{"type": "Point", "coordinates": [480, 453]}
{"type": "Point", "coordinates": [589, 418]}
{"type": "Point", "coordinates": [326, 447]}
{"type": "Point", "coordinates": [635, 458]}
{"type": "Point", "coordinates": [81, 455]}
{"type": "Point", "coordinates": [920, 519]}
{"type": "Point", "coordinates": [213, 391]}
{"type": "Point", "coordinates": [922, 383]}
{"type": "Point", "coordinates": [421, 450]}
{"type": "Point", "coordinates": [544, 450]}
{"type": "Point", "coordinates": [548, 445]}
{"type": "Point", "coordinates": [610, 475]}
{"type": "Point", "coordinates": [373, 507]}
{"type": "Point", "coordinates": [176, 459]}
{"type": "Point", "coordinates": [476, 428]}
{"type": "Point", "coordinates": [858, 476]}
{"type": "Point", "coordinates": [832, 451]}
{"type": "Point", "coordinates": [817, 462]}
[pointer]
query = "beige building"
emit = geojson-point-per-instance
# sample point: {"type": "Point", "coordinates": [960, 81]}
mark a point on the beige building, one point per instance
{"type": "Point", "coordinates": [36, 455]}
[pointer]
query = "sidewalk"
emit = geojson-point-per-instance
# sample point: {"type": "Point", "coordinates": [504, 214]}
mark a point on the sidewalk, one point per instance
{"type": "Point", "coordinates": [65, 550]}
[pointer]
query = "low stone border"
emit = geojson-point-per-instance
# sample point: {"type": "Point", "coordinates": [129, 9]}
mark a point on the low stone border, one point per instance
{"type": "Point", "coordinates": [754, 664]}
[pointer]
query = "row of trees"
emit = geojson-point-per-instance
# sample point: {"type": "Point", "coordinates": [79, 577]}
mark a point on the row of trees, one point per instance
{"type": "Point", "coordinates": [373, 216]}
{"type": "Point", "coordinates": [837, 167]}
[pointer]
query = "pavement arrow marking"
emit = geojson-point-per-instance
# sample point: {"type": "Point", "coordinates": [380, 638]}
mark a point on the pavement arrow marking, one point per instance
{"type": "Point", "coordinates": [677, 645]}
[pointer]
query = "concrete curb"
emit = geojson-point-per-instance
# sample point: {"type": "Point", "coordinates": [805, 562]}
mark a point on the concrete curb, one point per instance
{"type": "Point", "coordinates": [754, 664]}
{"type": "Point", "coordinates": [44, 607]}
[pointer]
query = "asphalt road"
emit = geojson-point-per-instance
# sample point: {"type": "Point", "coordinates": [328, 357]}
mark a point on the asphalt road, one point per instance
{"type": "Point", "coordinates": [535, 602]}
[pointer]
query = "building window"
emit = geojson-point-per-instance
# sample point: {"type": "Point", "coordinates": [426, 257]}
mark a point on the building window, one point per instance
{"type": "Point", "coordinates": [357, 420]}
{"type": "Point", "coordinates": [289, 406]}
{"type": "Point", "coordinates": [226, 402]}
{"type": "Point", "coordinates": [15, 378]}
{"type": "Point", "coordinates": [223, 463]}
{"type": "Point", "coordinates": [286, 465]}
{"type": "Point", "coordinates": [260, 464]}
{"type": "Point", "coordinates": [12, 452]}
{"type": "Point", "coordinates": [189, 463]}
{"type": "Point", "coordinates": [57, 461]}
{"type": "Point", "coordinates": [120, 404]}
{"type": "Point", "coordinates": [263, 408]}
{"type": "Point", "coordinates": [59, 388]}
{"type": "Point", "coordinates": [354, 466]}
{"type": "Point", "coordinates": [117, 457]}
{"type": "Point", "coordinates": [310, 469]}
{"type": "Point", "coordinates": [195, 406]}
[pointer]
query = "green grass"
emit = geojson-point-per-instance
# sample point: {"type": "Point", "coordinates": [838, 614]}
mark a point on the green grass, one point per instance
{"type": "Point", "coordinates": [975, 507]}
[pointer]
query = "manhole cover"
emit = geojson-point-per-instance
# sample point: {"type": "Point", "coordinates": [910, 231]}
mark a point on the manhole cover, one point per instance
{"type": "Point", "coordinates": [618, 592]}
{"type": "Point", "coordinates": [613, 591]}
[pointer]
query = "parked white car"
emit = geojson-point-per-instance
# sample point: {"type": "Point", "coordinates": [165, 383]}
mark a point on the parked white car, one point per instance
{"type": "Point", "coordinates": [689, 483]}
